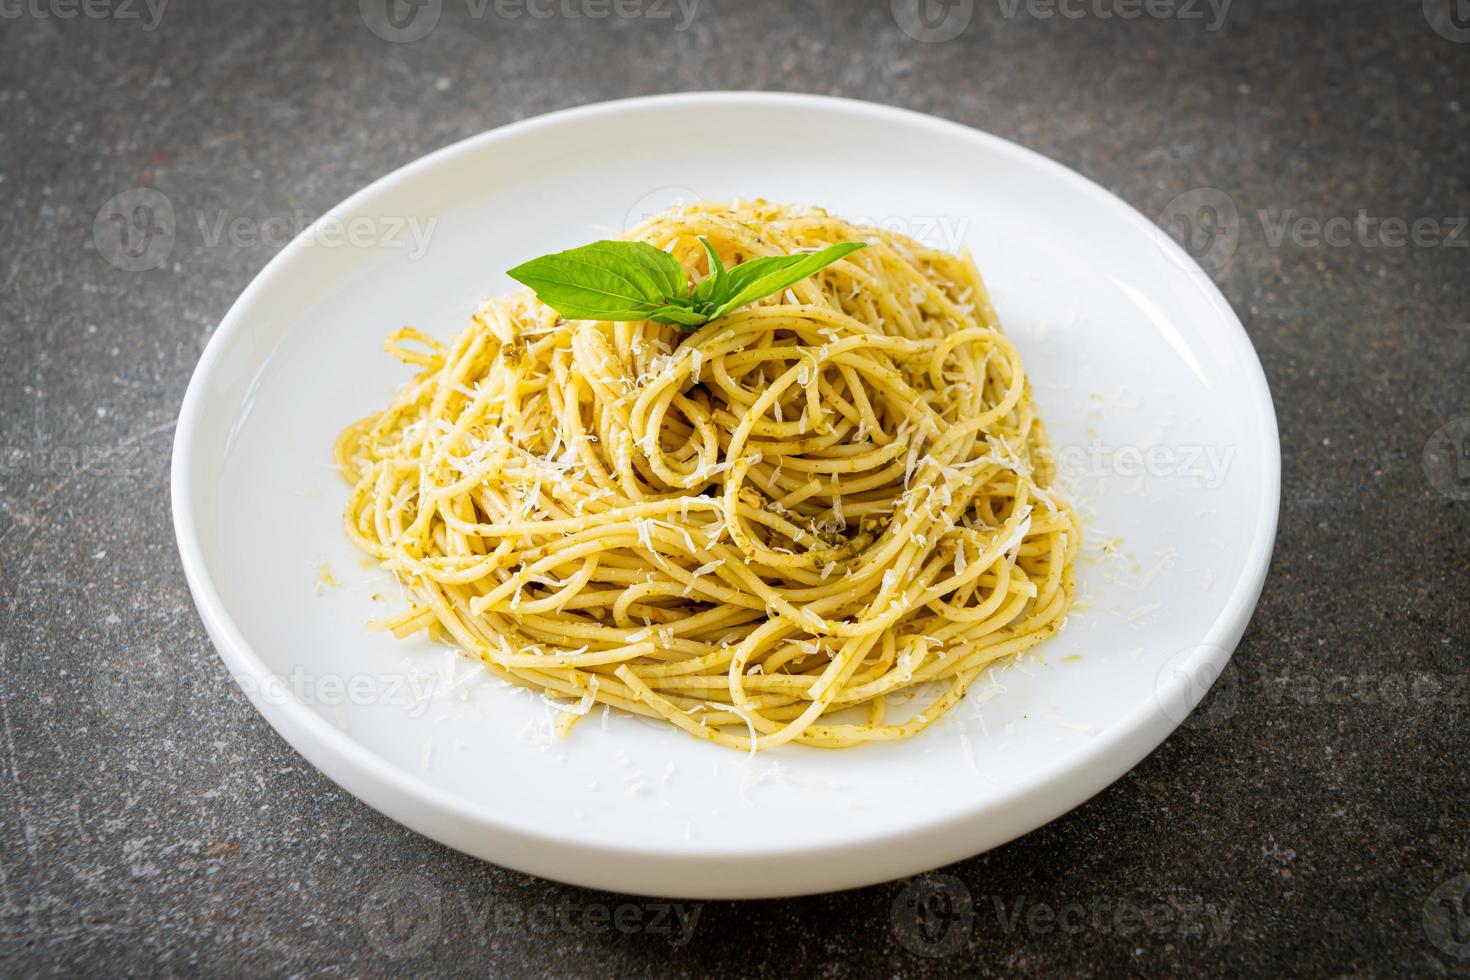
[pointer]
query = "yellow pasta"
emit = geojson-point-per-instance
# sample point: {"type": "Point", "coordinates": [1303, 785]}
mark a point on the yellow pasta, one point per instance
{"type": "Point", "coordinates": [815, 520]}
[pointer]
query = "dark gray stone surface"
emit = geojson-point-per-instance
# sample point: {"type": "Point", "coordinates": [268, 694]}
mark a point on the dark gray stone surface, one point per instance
{"type": "Point", "coordinates": [151, 822]}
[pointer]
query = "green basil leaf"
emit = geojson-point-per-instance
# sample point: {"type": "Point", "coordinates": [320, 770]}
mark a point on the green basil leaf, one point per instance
{"type": "Point", "coordinates": [606, 281]}
{"type": "Point", "coordinates": [763, 277]}
{"type": "Point", "coordinates": [663, 268]}
{"type": "Point", "coordinates": [574, 312]}
{"type": "Point", "coordinates": [634, 281]}
{"type": "Point", "coordinates": [681, 315]}
{"type": "Point", "coordinates": [713, 286]}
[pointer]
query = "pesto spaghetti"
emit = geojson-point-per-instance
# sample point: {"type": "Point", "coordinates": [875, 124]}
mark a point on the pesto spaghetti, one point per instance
{"type": "Point", "coordinates": [814, 519]}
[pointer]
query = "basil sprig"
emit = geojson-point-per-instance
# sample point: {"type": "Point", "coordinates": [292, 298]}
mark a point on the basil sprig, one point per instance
{"type": "Point", "coordinates": [635, 281]}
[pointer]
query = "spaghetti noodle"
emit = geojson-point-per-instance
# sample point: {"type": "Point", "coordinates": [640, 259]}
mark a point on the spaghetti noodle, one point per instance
{"type": "Point", "coordinates": [829, 507]}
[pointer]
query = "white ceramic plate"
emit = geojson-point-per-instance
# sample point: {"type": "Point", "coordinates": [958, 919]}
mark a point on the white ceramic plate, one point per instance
{"type": "Point", "coordinates": [1145, 377]}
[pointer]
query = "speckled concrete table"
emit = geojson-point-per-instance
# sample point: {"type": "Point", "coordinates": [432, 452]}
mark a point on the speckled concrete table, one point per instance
{"type": "Point", "coordinates": [1318, 826]}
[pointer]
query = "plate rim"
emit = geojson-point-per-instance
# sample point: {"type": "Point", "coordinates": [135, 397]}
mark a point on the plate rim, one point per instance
{"type": "Point", "coordinates": [442, 815]}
